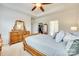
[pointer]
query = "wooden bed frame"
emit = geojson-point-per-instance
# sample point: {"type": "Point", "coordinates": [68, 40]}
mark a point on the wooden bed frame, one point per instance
{"type": "Point", "coordinates": [31, 50]}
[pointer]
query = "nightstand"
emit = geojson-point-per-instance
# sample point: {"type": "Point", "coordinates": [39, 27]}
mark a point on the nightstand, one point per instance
{"type": "Point", "coordinates": [0, 44]}
{"type": "Point", "coordinates": [0, 50]}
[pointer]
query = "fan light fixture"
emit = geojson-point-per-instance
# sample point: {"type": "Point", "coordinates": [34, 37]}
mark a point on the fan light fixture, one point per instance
{"type": "Point", "coordinates": [38, 5]}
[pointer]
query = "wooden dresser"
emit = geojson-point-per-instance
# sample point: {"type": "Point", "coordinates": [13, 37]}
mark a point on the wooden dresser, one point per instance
{"type": "Point", "coordinates": [18, 36]}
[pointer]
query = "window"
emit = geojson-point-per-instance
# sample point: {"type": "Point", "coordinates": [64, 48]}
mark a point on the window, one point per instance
{"type": "Point", "coordinates": [53, 27]}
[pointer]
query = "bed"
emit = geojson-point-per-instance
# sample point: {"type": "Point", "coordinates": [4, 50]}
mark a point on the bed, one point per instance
{"type": "Point", "coordinates": [45, 45]}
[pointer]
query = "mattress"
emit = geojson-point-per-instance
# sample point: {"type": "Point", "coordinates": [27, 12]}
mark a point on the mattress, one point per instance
{"type": "Point", "coordinates": [46, 45]}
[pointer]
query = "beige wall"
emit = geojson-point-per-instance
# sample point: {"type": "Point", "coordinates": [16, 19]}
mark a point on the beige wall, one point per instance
{"type": "Point", "coordinates": [78, 17]}
{"type": "Point", "coordinates": [67, 18]}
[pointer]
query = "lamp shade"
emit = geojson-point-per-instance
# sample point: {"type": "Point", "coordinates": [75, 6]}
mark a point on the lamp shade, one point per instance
{"type": "Point", "coordinates": [74, 28]}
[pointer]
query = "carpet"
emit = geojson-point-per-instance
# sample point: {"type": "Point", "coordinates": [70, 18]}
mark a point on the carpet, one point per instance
{"type": "Point", "coordinates": [14, 50]}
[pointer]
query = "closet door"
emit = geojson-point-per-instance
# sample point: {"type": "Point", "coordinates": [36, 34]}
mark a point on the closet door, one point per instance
{"type": "Point", "coordinates": [53, 27]}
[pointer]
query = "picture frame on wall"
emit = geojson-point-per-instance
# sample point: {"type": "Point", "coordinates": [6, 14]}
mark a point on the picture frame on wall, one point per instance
{"type": "Point", "coordinates": [42, 28]}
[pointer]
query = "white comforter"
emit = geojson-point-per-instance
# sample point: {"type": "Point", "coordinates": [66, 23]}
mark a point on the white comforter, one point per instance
{"type": "Point", "coordinates": [46, 45]}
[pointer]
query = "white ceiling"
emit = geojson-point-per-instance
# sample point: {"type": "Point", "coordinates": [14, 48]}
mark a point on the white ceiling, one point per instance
{"type": "Point", "coordinates": [26, 8]}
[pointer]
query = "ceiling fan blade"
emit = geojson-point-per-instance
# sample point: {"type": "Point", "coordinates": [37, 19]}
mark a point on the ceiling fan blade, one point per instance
{"type": "Point", "coordinates": [42, 8]}
{"type": "Point", "coordinates": [33, 8]}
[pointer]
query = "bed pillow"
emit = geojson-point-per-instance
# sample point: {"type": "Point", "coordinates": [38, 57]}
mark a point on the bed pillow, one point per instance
{"type": "Point", "coordinates": [60, 36]}
{"type": "Point", "coordinates": [54, 35]}
{"type": "Point", "coordinates": [73, 48]}
{"type": "Point", "coordinates": [75, 33]}
{"type": "Point", "coordinates": [68, 37]}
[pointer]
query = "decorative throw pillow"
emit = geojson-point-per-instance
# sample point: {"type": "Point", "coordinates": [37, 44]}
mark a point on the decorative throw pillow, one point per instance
{"type": "Point", "coordinates": [66, 38]}
{"type": "Point", "coordinates": [74, 48]}
{"type": "Point", "coordinates": [60, 36]}
{"type": "Point", "coordinates": [69, 43]}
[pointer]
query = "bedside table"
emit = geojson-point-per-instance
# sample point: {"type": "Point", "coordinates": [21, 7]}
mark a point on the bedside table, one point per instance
{"type": "Point", "coordinates": [0, 50]}
{"type": "Point", "coordinates": [0, 44]}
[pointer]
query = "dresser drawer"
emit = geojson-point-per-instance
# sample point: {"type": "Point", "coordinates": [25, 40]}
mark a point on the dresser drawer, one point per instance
{"type": "Point", "coordinates": [18, 36]}
{"type": "Point", "coordinates": [14, 33]}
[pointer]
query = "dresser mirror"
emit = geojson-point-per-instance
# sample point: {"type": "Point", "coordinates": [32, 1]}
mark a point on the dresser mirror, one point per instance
{"type": "Point", "coordinates": [19, 26]}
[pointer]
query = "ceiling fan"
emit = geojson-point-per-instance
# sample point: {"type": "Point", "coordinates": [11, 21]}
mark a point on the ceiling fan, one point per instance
{"type": "Point", "coordinates": [39, 5]}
